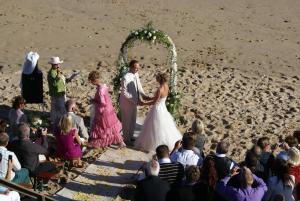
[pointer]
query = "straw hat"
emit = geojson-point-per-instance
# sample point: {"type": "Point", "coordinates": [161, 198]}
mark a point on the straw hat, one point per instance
{"type": "Point", "coordinates": [31, 60]}
{"type": "Point", "coordinates": [55, 60]}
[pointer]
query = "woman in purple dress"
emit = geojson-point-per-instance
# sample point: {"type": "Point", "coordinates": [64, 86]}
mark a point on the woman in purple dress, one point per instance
{"type": "Point", "coordinates": [68, 141]}
{"type": "Point", "coordinates": [106, 127]}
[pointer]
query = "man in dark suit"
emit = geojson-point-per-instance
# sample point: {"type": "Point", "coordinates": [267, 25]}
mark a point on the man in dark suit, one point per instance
{"type": "Point", "coordinates": [152, 188]}
{"type": "Point", "coordinates": [28, 152]}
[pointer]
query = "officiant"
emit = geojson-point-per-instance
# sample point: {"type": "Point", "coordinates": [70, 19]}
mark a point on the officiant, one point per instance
{"type": "Point", "coordinates": [57, 89]}
{"type": "Point", "coordinates": [32, 79]}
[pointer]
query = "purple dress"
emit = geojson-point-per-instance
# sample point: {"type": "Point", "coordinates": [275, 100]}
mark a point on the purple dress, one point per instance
{"type": "Point", "coordinates": [106, 126]}
{"type": "Point", "coordinates": [67, 148]}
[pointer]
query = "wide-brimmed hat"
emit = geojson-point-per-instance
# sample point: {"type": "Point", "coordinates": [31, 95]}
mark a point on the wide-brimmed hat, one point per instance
{"type": "Point", "coordinates": [55, 60]}
{"type": "Point", "coordinates": [31, 60]}
{"type": "Point", "coordinates": [293, 156]}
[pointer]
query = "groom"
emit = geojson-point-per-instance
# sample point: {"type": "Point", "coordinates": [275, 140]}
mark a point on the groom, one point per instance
{"type": "Point", "coordinates": [131, 92]}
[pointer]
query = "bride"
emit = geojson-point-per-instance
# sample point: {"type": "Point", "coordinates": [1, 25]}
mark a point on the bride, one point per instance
{"type": "Point", "coordinates": [159, 126]}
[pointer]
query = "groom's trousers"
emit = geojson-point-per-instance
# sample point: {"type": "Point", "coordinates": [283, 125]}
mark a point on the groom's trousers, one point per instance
{"type": "Point", "coordinates": [128, 118]}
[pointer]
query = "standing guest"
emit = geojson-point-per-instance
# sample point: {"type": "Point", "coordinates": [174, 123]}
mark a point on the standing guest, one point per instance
{"type": "Point", "coordinates": [28, 152]}
{"type": "Point", "coordinates": [184, 154]}
{"type": "Point", "coordinates": [282, 183]}
{"type": "Point", "coordinates": [18, 175]}
{"type": "Point", "coordinates": [152, 188]}
{"type": "Point", "coordinates": [68, 141]}
{"type": "Point", "coordinates": [172, 172]}
{"type": "Point", "coordinates": [294, 163]}
{"type": "Point", "coordinates": [16, 115]}
{"type": "Point", "coordinates": [130, 97]}
{"type": "Point", "coordinates": [223, 163]}
{"type": "Point", "coordinates": [243, 186]}
{"type": "Point", "coordinates": [57, 90]}
{"type": "Point", "coordinates": [77, 121]}
{"type": "Point", "coordinates": [32, 79]}
{"type": "Point", "coordinates": [106, 128]}
{"type": "Point", "coordinates": [189, 191]}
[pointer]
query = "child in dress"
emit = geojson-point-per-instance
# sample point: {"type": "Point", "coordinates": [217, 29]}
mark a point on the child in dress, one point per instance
{"type": "Point", "coordinates": [106, 127]}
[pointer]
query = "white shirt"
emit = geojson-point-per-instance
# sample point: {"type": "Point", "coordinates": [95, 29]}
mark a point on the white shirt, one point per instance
{"type": "Point", "coordinates": [186, 157]}
{"type": "Point", "coordinates": [4, 162]}
{"type": "Point", "coordinates": [164, 160]}
{"type": "Point", "coordinates": [131, 86]}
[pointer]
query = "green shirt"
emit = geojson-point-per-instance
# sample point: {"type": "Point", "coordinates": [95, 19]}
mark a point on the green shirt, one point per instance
{"type": "Point", "coordinates": [57, 84]}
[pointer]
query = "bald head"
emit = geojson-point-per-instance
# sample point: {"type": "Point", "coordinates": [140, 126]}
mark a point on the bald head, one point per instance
{"type": "Point", "coordinates": [70, 105]}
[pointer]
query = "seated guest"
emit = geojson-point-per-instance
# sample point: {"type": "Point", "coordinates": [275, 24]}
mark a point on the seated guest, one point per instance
{"type": "Point", "coordinates": [28, 152]}
{"type": "Point", "coordinates": [18, 175]}
{"type": "Point", "coordinates": [172, 172]}
{"type": "Point", "coordinates": [297, 192]}
{"type": "Point", "coordinates": [290, 141]}
{"type": "Point", "coordinates": [253, 163]}
{"type": "Point", "coordinates": [197, 132]}
{"type": "Point", "coordinates": [152, 188]}
{"type": "Point", "coordinates": [190, 190]}
{"type": "Point", "coordinates": [5, 193]}
{"type": "Point", "coordinates": [16, 115]}
{"type": "Point", "coordinates": [297, 135]}
{"type": "Point", "coordinates": [209, 178]}
{"type": "Point", "coordinates": [282, 183]}
{"type": "Point", "coordinates": [293, 155]}
{"type": "Point", "coordinates": [242, 185]}
{"type": "Point", "coordinates": [223, 163]}
{"type": "Point", "coordinates": [68, 141]}
{"type": "Point", "coordinates": [77, 121]}
{"type": "Point", "coordinates": [3, 125]}
{"type": "Point", "coordinates": [186, 155]}
{"type": "Point", "coordinates": [264, 144]}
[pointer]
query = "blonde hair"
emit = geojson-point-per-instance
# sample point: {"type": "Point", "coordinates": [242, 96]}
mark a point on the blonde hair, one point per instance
{"type": "Point", "coordinates": [197, 127]}
{"type": "Point", "coordinates": [65, 123]}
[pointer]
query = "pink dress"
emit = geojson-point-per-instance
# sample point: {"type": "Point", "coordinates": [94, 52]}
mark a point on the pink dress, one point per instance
{"type": "Point", "coordinates": [106, 127]}
{"type": "Point", "coordinates": [66, 145]}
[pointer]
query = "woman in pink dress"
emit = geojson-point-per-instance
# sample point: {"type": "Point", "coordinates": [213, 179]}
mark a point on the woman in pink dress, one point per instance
{"type": "Point", "coordinates": [106, 127]}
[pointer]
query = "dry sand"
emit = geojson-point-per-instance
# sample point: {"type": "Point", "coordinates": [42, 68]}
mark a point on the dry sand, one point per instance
{"type": "Point", "coordinates": [238, 60]}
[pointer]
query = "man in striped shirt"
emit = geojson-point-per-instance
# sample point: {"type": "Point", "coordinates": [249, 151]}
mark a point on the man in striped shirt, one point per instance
{"type": "Point", "coordinates": [172, 172]}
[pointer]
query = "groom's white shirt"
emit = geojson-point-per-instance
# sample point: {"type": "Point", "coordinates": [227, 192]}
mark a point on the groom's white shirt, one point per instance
{"type": "Point", "coordinates": [131, 87]}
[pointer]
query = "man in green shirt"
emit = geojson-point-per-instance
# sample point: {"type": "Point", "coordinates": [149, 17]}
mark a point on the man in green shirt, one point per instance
{"type": "Point", "coordinates": [57, 90]}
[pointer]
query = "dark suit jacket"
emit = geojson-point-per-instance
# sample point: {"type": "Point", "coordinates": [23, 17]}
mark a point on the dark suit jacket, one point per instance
{"type": "Point", "coordinates": [28, 152]}
{"type": "Point", "coordinates": [152, 188]}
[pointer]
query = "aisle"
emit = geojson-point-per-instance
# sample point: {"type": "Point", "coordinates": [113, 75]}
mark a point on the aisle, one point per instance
{"type": "Point", "coordinates": [104, 179]}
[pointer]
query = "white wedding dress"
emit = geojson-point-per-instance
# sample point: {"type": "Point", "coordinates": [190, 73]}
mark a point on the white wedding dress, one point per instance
{"type": "Point", "coordinates": [159, 128]}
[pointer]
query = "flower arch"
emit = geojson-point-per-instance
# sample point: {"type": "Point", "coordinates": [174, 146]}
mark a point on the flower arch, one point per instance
{"type": "Point", "coordinates": [151, 36]}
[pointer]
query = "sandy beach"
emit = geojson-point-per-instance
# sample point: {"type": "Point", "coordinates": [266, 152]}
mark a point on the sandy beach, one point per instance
{"type": "Point", "coordinates": [238, 61]}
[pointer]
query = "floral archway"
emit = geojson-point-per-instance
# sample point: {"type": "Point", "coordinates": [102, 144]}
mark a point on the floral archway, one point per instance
{"type": "Point", "coordinates": [151, 36]}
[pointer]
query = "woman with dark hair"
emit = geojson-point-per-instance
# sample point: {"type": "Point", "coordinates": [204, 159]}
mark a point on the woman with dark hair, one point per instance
{"type": "Point", "coordinates": [282, 183]}
{"type": "Point", "coordinates": [159, 126]}
{"type": "Point", "coordinates": [252, 161]}
{"type": "Point", "coordinates": [16, 115]}
{"type": "Point", "coordinates": [209, 179]}
{"type": "Point", "coordinates": [243, 185]}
